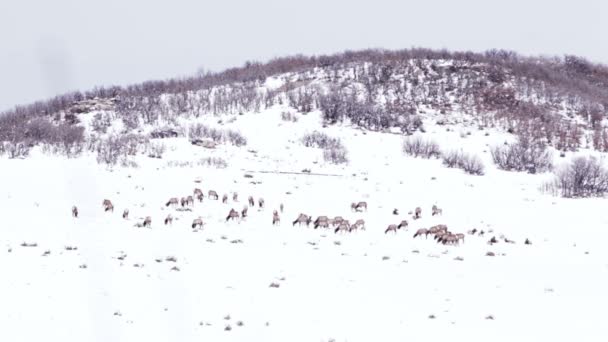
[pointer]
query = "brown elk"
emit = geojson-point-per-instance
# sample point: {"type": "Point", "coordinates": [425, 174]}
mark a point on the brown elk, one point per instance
{"type": "Point", "coordinates": [359, 224]}
{"type": "Point", "coordinates": [107, 205]}
{"type": "Point", "coordinates": [303, 219]}
{"type": "Point", "coordinates": [391, 228]}
{"type": "Point", "coordinates": [417, 213]}
{"type": "Point", "coordinates": [321, 221]}
{"type": "Point", "coordinates": [251, 201]}
{"type": "Point", "coordinates": [212, 195]}
{"type": "Point", "coordinates": [169, 220]}
{"type": "Point", "coordinates": [403, 224]}
{"type": "Point", "coordinates": [275, 218]}
{"type": "Point", "coordinates": [232, 215]}
{"type": "Point", "coordinates": [198, 193]}
{"type": "Point", "coordinates": [337, 220]}
{"type": "Point", "coordinates": [261, 203]}
{"type": "Point", "coordinates": [225, 198]}
{"type": "Point", "coordinates": [459, 237]}
{"type": "Point", "coordinates": [395, 211]}
{"type": "Point", "coordinates": [183, 202]}
{"type": "Point", "coordinates": [235, 197]}
{"type": "Point", "coordinates": [147, 221]}
{"type": "Point", "coordinates": [437, 229]}
{"type": "Point", "coordinates": [344, 227]}
{"type": "Point", "coordinates": [190, 201]}
{"type": "Point", "coordinates": [74, 211]}
{"type": "Point", "coordinates": [527, 242]}
{"type": "Point", "coordinates": [421, 231]}
{"type": "Point", "coordinates": [125, 214]}
{"type": "Point", "coordinates": [492, 241]}
{"type": "Point", "coordinates": [244, 211]}
{"type": "Point", "coordinates": [436, 210]}
{"type": "Point", "coordinates": [172, 202]}
{"type": "Point", "coordinates": [197, 222]}
{"type": "Point", "coordinates": [358, 206]}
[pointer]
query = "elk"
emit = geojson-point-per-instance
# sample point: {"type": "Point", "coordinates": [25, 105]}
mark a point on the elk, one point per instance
{"type": "Point", "coordinates": [421, 231]}
{"type": "Point", "coordinates": [125, 214]}
{"type": "Point", "coordinates": [391, 228]}
{"type": "Point", "coordinates": [437, 229]}
{"type": "Point", "coordinates": [436, 210]}
{"type": "Point", "coordinates": [281, 207]}
{"type": "Point", "coordinates": [403, 224]}
{"type": "Point", "coordinates": [358, 206]}
{"type": "Point", "coordinates": [244, 211]}
{"type": "Point", "coordinates": [359, 224]}
{"type": "Point", "coordinates": [74, 211]}
{"type": "Point", "coordinates": [190, 201]}
{"type": "Point", "coordinates": [169, 219]}
{"type": "Point", "coordinates": [225, 198]}
{"type": "Point", "coordinates": [212, 195]}
{"type": "Point", "coordinates": [344, 227]}
{"type": "Point", "coordinates": [303, 219]}
{"type": "Point", "coordinates": [233, 214]}
{"type": "Point", "coordinates": [275, 218]}
{"type": "Point", "coordinates": [107, 205]}
{"type": "Point", "coordinates": [395, 211]}
{"type": "Point", "coordinates": [235, 197]}
{"type": "Point", "coordinates": [251, 201]}
{"type": "Point", "coordinates": [492, 241]}
{"type": "Point", "coordinates": [261, 203]}
{"type": "Point", "coordinates": [417, 213]}
{"type": "Point", "coordinates": [338, 220]}
{"type": "Point", "coordinates": [197, 222]}
{"type": "Point", "coordinates": [147, 221]}
{"type": "Point", "coordinates": [527, 242]}
{"type": "Point", "coordinates": [459, 237]}
{"type": "Point", "coordinates": [321, 221]}
{"type": "Point", "coordinates": [172, 202]}
{"type": "Point", "coordinates": [198, 193]}
{"type": "Point", "coordinates": [183, 201]}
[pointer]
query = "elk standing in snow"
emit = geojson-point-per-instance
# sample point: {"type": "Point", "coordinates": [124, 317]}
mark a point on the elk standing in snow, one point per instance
{"type": "Point", "coordinates": [321, 221]}
{"type": "Point", "coordinates": [395, 211]}
{"type": "Point", "coordinates": [337, 220]}
{"type": "Point", "coordinates": [212, 195]}
{"type": "Point", "coordinates": [198, 193]}
{"type": "Point", "coordinates": [421, 231]}
{"type": "Point", "coordinates": [225, 198]}
{"type": "Point", "coordinates": [436, 210]}
{"type": "Point", "coordinates": [232, 215]}
{"type": "Point", "coordinates": [343, 227]}
{"type": "Point", "coordinates": [107, 205]}
{"type": "Point", "coordinates": [125, 214]}
{"type": "Point", "coordinates": [147, 221]}
{"type": "Point", "coordinates": [417, 213]}
{"type": "Point", "coordinates": [275, 218]}
{"type": "Point", "coordinates": [74, 211]}
{"type": "Point", "coordinates": [251, 201]}
{"type": "Point", "coordinates": [281, 207]}
{"type": "Point", "coordinates": [303, 219]}
{"type": "Point", "coordinates": [391, 228]}
{"type": "Point", "coordinates": [172, 202]}
{"type": "Point", "coordinates": [235, 197]}
{"type": "Point", "coordinates": [244, 211]}
{"type": "Point", "coordinates": [197, 222]}
{"type": "Point", "coordinates": [359, 224]}
{"type": "Point", "coordinates": [190, 201]}
{"type": "Point", "coordinates": [403, 224]}
{"type": "Point", "coordinates": [261, 203]}
{"type": "Point", "coordinates": [358, 206]}
{"type": "Point", "coordinates": [169, 219]}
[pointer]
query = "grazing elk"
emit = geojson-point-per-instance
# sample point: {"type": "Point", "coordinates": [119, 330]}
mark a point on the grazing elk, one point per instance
{"type": "Point", "coordinates": [172, 202]}
{"type": "Point", "coordinates": [232, 215]}
{"type": "Point", "coordinates": [359, 224]}
{"type": "Point", "coordinates": [391, 228]}
{"type": "Point", "coordinates": [275, 218]}
{"type": "Point", "coordinates": [303, 219]}
{"type": "Point", "coordinates": [492, 241]}
{"type": "Point", "coordinates": [125, 214]}
{"type": "Point", "coordinates": [417, 213]}
{"type": "Point", "coordinates": [198, 193]}
{"type": "Point", "coordinates": [197, 222]}
{"type": "Point", "coordinates": [261, 203]}
{"type": "Point", "coordinates": [459, 237]}
{"type": "Point", "coordinates": [212, 195]}
{"type": "Point", "coordinates": [147, 221]}
{"type": "Point", "coordinates": [321, 221]}
{"type": "Point", "coordinates": [169, 220]}
{"type": "Point", "coordinates": [190, 201]}
{"type": "Point", "coordinates": [436, 210]}
{"type": "Point", "coordinates": [358, 206]}
{"type": "Point", "coordinates": [421, 231]}
{"type": "Point", "coordinates": [183, 201]}
{"type": "Point", "coordinates": [107, 205]}
{"type": "Point", "coordinates": [337, 220]}
{"type": "Point", "coordinates": [343, 227]}
{"type": "Point", "coordinates": [251, 201]}
{"type": "Point", "coordinates": [403, 224]}
{"type": "Point", "coordinates": [74, 211]}
{"type": "Point", "coordinates": [244, 211]}
{"type": "Point", "coordinates": [225, 199]}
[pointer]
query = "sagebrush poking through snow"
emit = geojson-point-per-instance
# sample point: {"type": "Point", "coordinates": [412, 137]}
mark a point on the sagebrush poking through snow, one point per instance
{"type": "Point", "coordinates": [216, 162]}
{"type": "Point", "coordinates": [335, 155]}
{"type": "Point", "coordinates": [419, 147]}
{"type": "Point", "coordinates": [532, 157]}
{"type": "Point", "coordinates": [201, 131]}
{"type": "Point", "coordinates": [582, 177]}
{"type": "Point", "coordinates": [289, 116]}
{"type": "Point", "coordinates": [468, 163]}
{"type": "Point", "coordinates": [321, 140]}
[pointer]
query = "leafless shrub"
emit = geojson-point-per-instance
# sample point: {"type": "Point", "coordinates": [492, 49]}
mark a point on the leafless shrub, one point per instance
{"type": "Point", "coordinates": [156, 149]}
{"type": "Point", "coordinates": [522, 157]}
{"type": "Point", "coordinates": [419, 147]}
{"type": "Point", "coordinates": [115, 148]}
{"type": "Point", "coordinates": [321, 140]}
{"type": "Point", "coordinates": [216, 162]}
{"type": "Point", "coordinates": [101, 121]}
{"type": "Point", "coordinates": [335, 155]}
{"type": "Point", "coordinates": [468, 163]}
{"type": "Point", "coordinates": [16, 149]}
{"type": "Point", "coordinates": [200, 131]}
{"type": "Point", "coordinates": [583, 177]}
{"type": "Point", "coordinates": [179, 163]}
{"type": "Point", "coordinates": [289, 116]}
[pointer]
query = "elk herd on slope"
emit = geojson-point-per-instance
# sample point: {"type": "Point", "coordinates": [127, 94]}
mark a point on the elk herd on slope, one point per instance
{"type": "Point", "coordinates": [338, 224]}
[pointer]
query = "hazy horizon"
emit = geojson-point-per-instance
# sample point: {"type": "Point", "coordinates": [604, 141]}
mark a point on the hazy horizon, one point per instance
{"type": "Point", "coordinates": [76, 45]}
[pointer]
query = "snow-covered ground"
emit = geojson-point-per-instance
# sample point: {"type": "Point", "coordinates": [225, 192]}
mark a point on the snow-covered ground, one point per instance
{"type": "Point", "coordinates": [364, 286]}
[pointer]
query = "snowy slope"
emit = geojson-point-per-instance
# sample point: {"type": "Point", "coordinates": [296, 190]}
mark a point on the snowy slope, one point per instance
{"type": "Point", "coordinates": [363, 286]}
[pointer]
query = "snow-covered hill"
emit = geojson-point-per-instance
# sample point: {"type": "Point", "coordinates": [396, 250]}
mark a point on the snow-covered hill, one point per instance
{"type": "Point", "coordinates": [98, 277]}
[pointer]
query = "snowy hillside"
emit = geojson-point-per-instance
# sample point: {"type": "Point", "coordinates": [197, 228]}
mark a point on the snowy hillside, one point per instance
{"type": "Point", "coordinates": [99, 277]}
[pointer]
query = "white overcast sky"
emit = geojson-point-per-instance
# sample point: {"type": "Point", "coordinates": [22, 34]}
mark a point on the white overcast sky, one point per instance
{"type": "Point", "coordinates": [48, 47]}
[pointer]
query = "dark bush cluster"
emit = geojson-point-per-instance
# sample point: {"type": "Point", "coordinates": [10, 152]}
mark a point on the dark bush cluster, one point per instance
{"type": "Point", "coordinates": [200, 131]}
{"type": "Point", "coordinates": [582, 177]}
{"type": "Point", "coordinates": [466, 162]}
{"type": "Point", "coordinates": [522, 156]}
{"type": "Point", "coordinates": [335, 155]}
{"type": "Point", "coordinates": [118, 148]}
{"type": "Point", "coordinates": [321, 140]}
{"type": "Point", "coordinates": [419, 147]}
